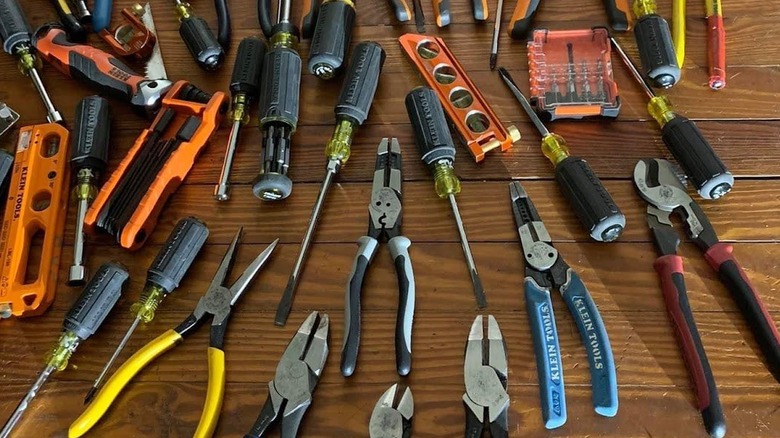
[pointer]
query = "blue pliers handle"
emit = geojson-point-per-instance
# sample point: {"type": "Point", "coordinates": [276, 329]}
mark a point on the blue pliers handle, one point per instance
{"type": "Point", "coordinates": [101, 14]}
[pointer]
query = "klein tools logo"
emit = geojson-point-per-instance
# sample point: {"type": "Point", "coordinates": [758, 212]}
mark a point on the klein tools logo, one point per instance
{"type": "Point", "coordinates": [593, 337]}
{"type": "Point", "coordinates": [428, 115]}
{"type": "Point", "coordinates": [20, 193]}
{"type": "Point", "coordinates": [92, 119]}
{"type": "Point", "coordinates": [551, 350]}
{"type": "Point", "coordinates": [119, 74]}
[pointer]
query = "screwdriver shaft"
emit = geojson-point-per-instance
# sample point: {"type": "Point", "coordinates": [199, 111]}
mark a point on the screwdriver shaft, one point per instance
{"type": "Point", "coordinates": [31, 393]}
{"type": "Point", "coordinates": [523, 101]}
{"type": "Point", "coordinates": [110, 363]}
{"type": "Point", "coordinates": [479, 292]}
{"type": "Point", "coordinates": [632, 68]}
{"type": "Point", "coordinates": [78, 245]}
{"type": "Point", "coordinates": [222, 190]}
{"type": "Point", "coordinates": [52, 115]}
{"type": "Point", "coordinates": [496, 33]}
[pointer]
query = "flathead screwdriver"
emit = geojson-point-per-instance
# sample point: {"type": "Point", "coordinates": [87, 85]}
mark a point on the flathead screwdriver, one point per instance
{"type": "Point", "coordinates": [164, 275]}
{"type": "Point", "coordinates": [82, 321]}
{"type": "Point", "coordinates": [438, 152]}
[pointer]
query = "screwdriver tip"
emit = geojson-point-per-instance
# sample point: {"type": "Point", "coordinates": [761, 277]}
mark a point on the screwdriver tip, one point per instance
{"type": "Point", "coordinates": [479, 292]}
{"type": "Point", "coordinates": [493, 60]}
{"type": "Point", "coordinates": [90, 395]}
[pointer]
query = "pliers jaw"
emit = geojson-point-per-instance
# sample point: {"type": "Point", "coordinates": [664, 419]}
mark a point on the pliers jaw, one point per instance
{"type": "Point", "coordinates": [385, 207]}
{"type": "Point", "coordinates": [390, 419]}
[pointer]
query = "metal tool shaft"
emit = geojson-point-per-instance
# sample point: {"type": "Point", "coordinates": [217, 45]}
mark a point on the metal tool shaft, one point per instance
{"type": "Point", "coordinates": [523, 102]}
{"type": "Point", "coordinates": [222, 190]}
{"type": "Point", "coordinates": [496, 33]}
{"type": "Point", "coordinates": [283, 11]}
{"type": "Point", "coordinates": [31, 393]}
{"type": "Point", "coordinates": [110, 363]}
{"type": "Point", "coordinates": [632, 68]}
{"type": "Point", "coordinates": [52, 115]}
{"type": "Point", "coordinates": [77, 269]}
{"type": "Point", "coordinates": [479, 292]}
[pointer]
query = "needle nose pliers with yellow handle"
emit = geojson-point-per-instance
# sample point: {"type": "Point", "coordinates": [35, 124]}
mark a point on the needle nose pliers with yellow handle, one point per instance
{"type": "Point", "coordinates": [217, 303]}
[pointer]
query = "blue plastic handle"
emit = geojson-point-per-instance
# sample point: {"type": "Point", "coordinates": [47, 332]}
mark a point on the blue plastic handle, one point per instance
{"type": "Point", "coordinates": [548, 354]}
{"type": "Point", "coordinates": [101, 14]}
{"type": "Point", "coordinates": [603, 377]}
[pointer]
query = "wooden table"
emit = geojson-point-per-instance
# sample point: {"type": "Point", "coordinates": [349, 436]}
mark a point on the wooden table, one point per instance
{"type": "Point", "coordinates": [656, 398]}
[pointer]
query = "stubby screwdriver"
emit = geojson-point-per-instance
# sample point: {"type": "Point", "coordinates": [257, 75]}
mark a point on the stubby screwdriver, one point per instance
{"type": "Point", "coordinates": [438, 153]}
{"type": "Point", "coordinates": [88, 161]}
{"type": "Point", "coordinates": [588, 197]}
{"type": "Point", "coordinates": [164, 275]}
{"type": "Point", "coordinates": [357, 95]}
{"type": "Point", "coordinates": [656, 48]}
{"type": "Point", "coordinates": [198, 37]}
{"type": "Point", "coordinates": [244, 89]}
{"type": "Point", "coordinates": [684, 140]}
{"type": "Point", "coordinates": [81, 322]}
{"type": "Point", "coordinates": [15, 33]}
{"type": "Point", "coordinates": [332, 35]}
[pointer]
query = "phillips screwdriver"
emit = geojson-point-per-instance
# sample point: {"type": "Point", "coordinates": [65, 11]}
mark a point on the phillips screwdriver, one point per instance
{"type": "Point", "coordinates": [198, 37]}
{"type": "Point", "coordinates": [16, 35]}
{"type": "Point", "coordinates": [587, 196]}
{"type": "Point", "coordinates": [82, 321]}
{"type": "Point", "coordinates": [244, 89]}
{"type": "Point", "coordinates": [684, 140]}
{"type": "Point", "coordinates": [438, 153]}
{"type": "Point", "coordinates": [164, 275]}
{"type": "Point", "coordinates": [357, 95]}
{"type": "Point", "coordinates": [654, 41]}
{"type": "Point", "coordinates": [331, 38]}
{"type": "Point", "coordinates": [88, 161]}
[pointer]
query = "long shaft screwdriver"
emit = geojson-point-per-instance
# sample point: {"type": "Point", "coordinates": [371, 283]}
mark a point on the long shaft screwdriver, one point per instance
{"type": "Point", "coordinates": [82, 321]}
{"type": "Point", "coordinates": [164, 275]}
{"type": "Point", "coordinates": [654, 41]}
{"type": "Point", "coordinates": [357, 95]}
{"type": "Point", "coordinates": [496, 33]}
{"type": "Point", "coordinates": [204, 47]}
{"type": "Point", "coordinates": [438, 152]}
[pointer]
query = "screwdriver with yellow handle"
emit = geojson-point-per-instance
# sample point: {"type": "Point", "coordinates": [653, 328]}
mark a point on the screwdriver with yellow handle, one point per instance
{"type": "Point", "coordinates": [655, 44]}
{"type": "Point", "coordinates": [164, 275]}
{"type": "Point", "coordinates": [82, 321]}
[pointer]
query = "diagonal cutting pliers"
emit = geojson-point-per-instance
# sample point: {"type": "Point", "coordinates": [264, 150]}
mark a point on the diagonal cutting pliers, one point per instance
{"type": "Point", "coordinates": [545, 269]}
{"type": "Point", "coordinates": [485, 372]}
{"type": "Point", "coordinates": [391, 419]}
{"type": "Point", "coordinates": [216, 303]}
{"type": "Point", "coordinates": [384, 224]}
{"type": "Point", "coordinates": [297, 375]}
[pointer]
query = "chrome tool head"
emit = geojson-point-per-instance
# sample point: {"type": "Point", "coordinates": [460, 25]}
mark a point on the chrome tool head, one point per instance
{"type": "Point", "coordinates": [390, 419]}
{"type": "Point", "coordinates": [485, 372]}
{"type": "Point", "coordinates": [385, 207]}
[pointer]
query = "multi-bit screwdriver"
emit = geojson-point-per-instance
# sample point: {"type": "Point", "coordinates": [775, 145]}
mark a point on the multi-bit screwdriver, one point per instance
{"type": "Point", "coordinates": [88, 161]}
{"type": "Point", "coordinates": [438, 153]}
{"type": "Point", "coordinates": [244, 89]}
{"type": "Point", "coordinates": [354, 104]}
{"type": "Point", "coordinates": [82, 321]}
{"type": "Point", "coordinates": [16, 36]}
{"type": "Point", "coordinates": [684, 140]}
{"type": "Point", "coordinates": [164, 275]}
{"type": "Point", "coordinates": [656, 48]}
{"type": "Point", "coordinates": [590, 200]}
{"type": "Point", "coordinates": [331, 38]}
{"type": "Point", "coordinates": [207, 50]}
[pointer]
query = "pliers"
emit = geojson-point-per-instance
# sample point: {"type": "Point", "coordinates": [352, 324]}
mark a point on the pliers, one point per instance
{"type": "Point", "coordinates": [297, 374]}
{"type": "Point", "coordinates": [216, 303]}
{"type": "Point", "coordinates": [618, 14]}
{"type": "Point", "coordinates": [545, 269]}
{"type": "Point", "coordinates": [390, 419]}
{"type": "Point", "coordinates": [485, 372]}
{"type": "Point", "coordinates": [384, 224]}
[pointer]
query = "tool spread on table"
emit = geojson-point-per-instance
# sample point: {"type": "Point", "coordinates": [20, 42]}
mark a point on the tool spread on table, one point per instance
{"type": "Point", "coordinates": [352, 109]}
{"type": "Point", "coordinates": [131, 38]}
{"type": "Point", "coordinates": [479, 127]}
{"type": "Point", "coordinates": [82, 321]}
{"type": "Point", "coordinates": [392, 414]}
{"type": "Point", "coordinates": [437, 151]}
{"type": "Point", "coordinates": [486, 373]}
{"type": "Point", "coordinates": [244, 90]}
{"type": "Point", "coordinates": [132, 199]}
{"type": "Point", "coordinates": [297, 374]}
{"type": "Point", "coordinates": [331, 38]}
{"type": "Point", "coordinates": [716, 44]}
{"type": "Point", "coordinates": [16, 36]}
{"type": "Point", "coordinates": [88, 161]}
{"type": "Point", "coordinates": [384, 224]}
{"type": "Point", "coordinates": [587, 196]}
{"type": "Point", "coordinates": [546, 270]}
{"type": "Point", "coordinates": [655, 44]}
{"type": "Point", "coordinates": [684, 140]}
{"type": "Point", "coordinates": [520, 24]}
{"type": "Point", "coordinates": [208, 50]}
{"type": "Point", "coordinates": [658, 184]}
{"type": "Point", "coordinates": [217, 303]}
{"type": "Point", "coordinates": [163, 277]}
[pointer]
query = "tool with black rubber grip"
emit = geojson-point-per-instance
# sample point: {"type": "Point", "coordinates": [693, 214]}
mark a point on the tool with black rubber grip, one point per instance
{"type": "Point", "coordinates": [437, 151]}
{"type": "Point", "coordinates": [656, 48]}
{"type": "Point", "coordinates": [82, 321]}
{"type": "Point", "coordinates": [522, 18]}
{"type": "Point", "coordinates": [441, 12]}
{"type": "Point", "coordinates": [311, 10]}
{"type": "Point", "coordinates": [199, 38]}
{"type": "Point", "coordinates": [88, 161]}
{"type": "Point", "coordinates": [357, 95]}
{"type": "Point", "coordinates": [619, 15]}
{"type": "Point", "coordinates": [332, 35]}
{"type": "Point", "coordinates": [587, 196]}
{"type": "Point", "coordinates": [74, 28]}
{"type": "Point", "coordinates": [401, 9]}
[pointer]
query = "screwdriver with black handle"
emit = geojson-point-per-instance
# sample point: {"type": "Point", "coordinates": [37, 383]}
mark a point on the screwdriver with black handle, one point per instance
{"type": "Point", "coordinates": [354, 104]}
{"type": "Point", "coordinates": [437, 149]}
{"type": "Point", "coordinates": [655, 44]}
{"type": "Point", "coordinates": [164, 275]}
{"type": "Point", "coordinates": [244, 89]}
{"type": "Point", "coordinates": [590, 200]}
{"type": "Point", "coordinates": [203, 45]}
{"type": "Point", "coordinates": [684, 140]}
{"type": "Point", "coordinates": [331, 38]}
{"type": "Point", "coordinates": [76, 31]}
{"type": "Point", "coordinates": [88, 161]}
{"type": "Point", "coordinates": [82, 321]}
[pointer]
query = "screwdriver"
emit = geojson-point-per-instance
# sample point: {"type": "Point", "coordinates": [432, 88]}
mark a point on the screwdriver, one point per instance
{"type": "Point", "coordinates": [434, 140]}
{"type": "Point", "coordinates": [82, 321]}
{"type": "Point", "coordinates": [590, 200]}
{"type": "Point", "coordinates": [684, 140]}
{"type": "Point", "coordinates": [357, 95]}
{"type": "Point", "coordinates": [198, 37]}
{"type": "Point", "coordinates": [331, 38]}
{"type": "Point", "coordinates": [654, 41]}
{"type": "Point", "coordinates": [15, 33]}
{"type": "Point", "coordinates": [496, 32]}
{"type": "Point", "coordinates": [164, 275]}
{"type": "Point", "coordinates": [244, 89]}
{"type": "Point", "coordinates": [88, 161]}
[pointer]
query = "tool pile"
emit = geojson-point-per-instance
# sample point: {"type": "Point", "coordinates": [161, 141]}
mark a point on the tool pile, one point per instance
{"type": "Point", "coordinates": [570, 77]}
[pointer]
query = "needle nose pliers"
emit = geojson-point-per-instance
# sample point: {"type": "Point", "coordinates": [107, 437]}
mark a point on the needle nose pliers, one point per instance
{"type": "Point", "coordinates": [390, 419]}
{"type": "Point", "coordinates": [216, 303]}
{"type": "Point", "coordinates": [545, 269]}
{"type": "Point", "coordinates": [297, 374]}
{"type": "Point", "coordinates": [384, 225]}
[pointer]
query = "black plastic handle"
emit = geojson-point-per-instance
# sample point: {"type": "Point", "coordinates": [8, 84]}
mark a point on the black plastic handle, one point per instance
{"type": "Point", "coordinates": [399, 251]}
{"type": "Point", "coordinates": [202, 44]}
{"type": "Point", "coordinates": [177, 254]}
{"type": "Point", "coordinates": [96, 300]}
{"type": "Point", "coordinates": [656, 50]}
{"type": "Point", "coordinates": [330, 42]}
{"type": "Point", "coordinates": [91, 135]}
{"type": "Point", "coordinates": [248, 67]}
{"type": "Point", "coordinates": [74, 28]}
{"type": "Point", "coordinates": [14, 28]}
{"type": "Point", "coordinates": [618, 14]}
{"type": "Point", "coordinates": [357, 93]}
{"type": "Point", "coordinates": [366, 249]}
{"type": "Point", "coordinates": [431, 132]}
{"type": "Point", "coordinates": [280, 87]}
